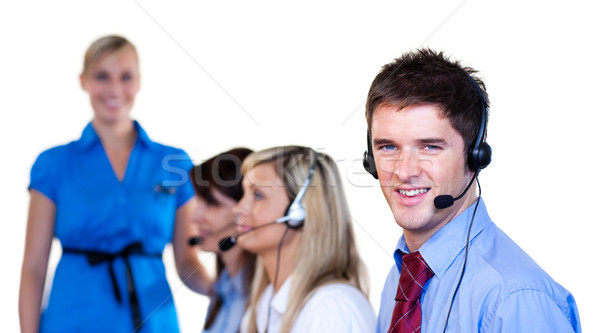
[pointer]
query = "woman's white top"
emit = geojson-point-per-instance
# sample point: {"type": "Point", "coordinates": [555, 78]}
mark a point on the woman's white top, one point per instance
{"type": "Point", "coordinates": [336, 307]}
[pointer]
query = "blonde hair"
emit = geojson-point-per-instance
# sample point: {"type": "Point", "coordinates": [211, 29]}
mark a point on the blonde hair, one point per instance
{"type": "Point", "coordinates": [327, 251]}
{"type": "Point", "coordinates": [102, 46]}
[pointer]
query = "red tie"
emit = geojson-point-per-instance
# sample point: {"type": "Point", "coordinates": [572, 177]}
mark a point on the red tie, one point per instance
{"type": "Point", "coordinates": [407, 312]}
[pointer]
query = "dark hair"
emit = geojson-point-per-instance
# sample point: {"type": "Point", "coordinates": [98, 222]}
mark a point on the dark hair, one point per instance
{"type": "Point", "coordinates": [223, 173]}
{"type": "Point", "coordinates": [428, 77]}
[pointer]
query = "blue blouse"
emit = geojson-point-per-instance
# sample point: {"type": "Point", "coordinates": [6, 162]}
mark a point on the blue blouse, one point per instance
{"type": "Point", "coordinates": [95, 211]}
{"type": "Point", "coordinates": [234, 296]}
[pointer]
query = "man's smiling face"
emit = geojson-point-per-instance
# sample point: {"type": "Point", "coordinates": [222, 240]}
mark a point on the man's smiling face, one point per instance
{"type": "Point", "coordinates": [419, 155]}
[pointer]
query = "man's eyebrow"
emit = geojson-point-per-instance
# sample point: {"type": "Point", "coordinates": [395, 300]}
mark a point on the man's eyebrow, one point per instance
{"type": "Point", "coordinates": [424, 141]}
{"type": "Point", "coordinates": [429, 141]}
{"type": "Point", "coordinates": [382, 141]}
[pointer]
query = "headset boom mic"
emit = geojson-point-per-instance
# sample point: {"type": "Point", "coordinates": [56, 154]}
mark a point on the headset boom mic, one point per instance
{"type": "Point", "coordinates": [195, 241]}
{"type": "Point", "coordinates": [226, 243]}
{"type": "Point", "coordinates": [446, 200]}
{"type": "Point", "coordinates": [443, 201]}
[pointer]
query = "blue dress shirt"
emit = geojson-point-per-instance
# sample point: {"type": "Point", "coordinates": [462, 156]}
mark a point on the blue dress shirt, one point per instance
{"type": "Point", "coordinates": [503, 289]}
{"type": "Point", "coordinates": [234, 296]}
{"type": "Point", "coordinates": [95, 211]}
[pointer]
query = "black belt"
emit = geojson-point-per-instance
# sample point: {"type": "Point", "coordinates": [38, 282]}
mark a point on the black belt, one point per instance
{"type": "Point", "coordinates": [97, 257]}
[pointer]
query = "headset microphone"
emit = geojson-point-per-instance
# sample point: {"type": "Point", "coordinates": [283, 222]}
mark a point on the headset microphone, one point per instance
{"type": "Point", "coordinates": [446, 200]}
{"type": "Point", "coordinates": [228, 242]}
{"type": "Point", "coordinates": [443, 201]}
{"type": "Point", "coordinates": [198, 240]}
{"type": "Point", "coordinates": [193, 241]}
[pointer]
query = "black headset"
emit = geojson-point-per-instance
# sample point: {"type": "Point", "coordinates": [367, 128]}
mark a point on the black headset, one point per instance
{"type": "Point", "coordinates": [369, 159]}
{"type": "Point", "coordinates": [478, 157]}
{"type": "Point", "coordinates": [295, 213]}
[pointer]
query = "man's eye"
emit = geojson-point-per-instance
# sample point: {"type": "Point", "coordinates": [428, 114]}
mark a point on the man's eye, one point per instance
{"type": "Point", "coordinates": [432, 147]}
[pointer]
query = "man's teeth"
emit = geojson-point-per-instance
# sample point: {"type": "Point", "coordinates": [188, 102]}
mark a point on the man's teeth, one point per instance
{"type": "Point", "coordinates": [411, 193]}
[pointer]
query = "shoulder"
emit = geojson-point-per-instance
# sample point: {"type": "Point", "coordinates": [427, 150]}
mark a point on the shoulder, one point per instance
{"type": "Point", "coordinates": [49, 170]}
{"type": "Point", "coordinates": [172, 159]}
{"type": "Point", "coordinates": [515, 281]}
{"type": "Point", "coordinates": [156, 146]}
{"type": "Point", "coordinates": [338, 293]}
{"type": "Point", "coordinates": [338, 307]}
{"type": "Point", "coordinates": [58, 151]}
{"type": "Point", "coordinates": [166, 148]}
{"type": "Point", "coordinates": [88, 137]}
{"type": "Point", "coordinates": [144, 138]}
{"type": "Point", "coordinates": [498, 255]}
{"type": "Point", "coordinates": [55, 156]}
{"type": "Point", "coordinates": [171, 155]}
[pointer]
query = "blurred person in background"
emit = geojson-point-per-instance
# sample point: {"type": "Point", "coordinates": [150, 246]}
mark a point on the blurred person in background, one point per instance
{"type": "Point", "coordinates": [114, 199]}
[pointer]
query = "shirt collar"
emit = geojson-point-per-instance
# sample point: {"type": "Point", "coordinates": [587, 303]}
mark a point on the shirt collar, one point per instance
{"type": "Point", "coordinates": [401, 249]}
{"type": "Point", "coordinates": [89, 137]}
{"type": "Point", "coordinates": [280, 299]}
{"type": "Point", "coordinates": [226, 284]}
{"type": "Point", "coordinates": [445, 245]}
{"type": "Point", "coordinates": [142, 135]}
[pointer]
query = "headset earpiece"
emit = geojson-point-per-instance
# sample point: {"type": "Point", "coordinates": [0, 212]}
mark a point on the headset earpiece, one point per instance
{"type": "Point", "coordinates": [480, 154]}
{"type": "Point", "coordinates": [295, 214]}
{"type": "Point", "coordinates": [369, 159]}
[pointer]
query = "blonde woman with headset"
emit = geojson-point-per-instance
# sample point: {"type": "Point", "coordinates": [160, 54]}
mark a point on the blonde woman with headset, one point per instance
{"type": "Point", "coordinates": [295, 217]}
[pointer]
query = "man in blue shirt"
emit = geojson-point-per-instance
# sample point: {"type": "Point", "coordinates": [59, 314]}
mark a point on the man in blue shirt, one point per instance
{"type": "Point", "coordinates": [427, 118]}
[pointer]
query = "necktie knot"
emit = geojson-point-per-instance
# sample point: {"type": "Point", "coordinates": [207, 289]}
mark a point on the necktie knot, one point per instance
{"type": "Point", "coordinates": [413, 275]}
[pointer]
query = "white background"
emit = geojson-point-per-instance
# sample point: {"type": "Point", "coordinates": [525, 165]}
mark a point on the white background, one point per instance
{"type": "Point", "coordinates": [261, 74]}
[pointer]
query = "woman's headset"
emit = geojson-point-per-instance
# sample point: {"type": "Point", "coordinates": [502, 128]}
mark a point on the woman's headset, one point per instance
{"type": "Point", "coordinates": [295, 213]}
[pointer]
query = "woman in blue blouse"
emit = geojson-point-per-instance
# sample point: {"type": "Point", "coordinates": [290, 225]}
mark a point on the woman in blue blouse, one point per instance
{"type": "Point", "coordinates": [113, 199]}
{"type": "Point", "coordinates": [218, 184]}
